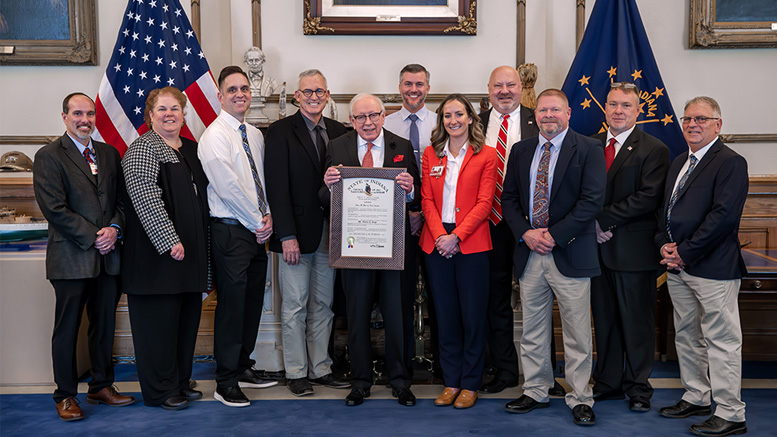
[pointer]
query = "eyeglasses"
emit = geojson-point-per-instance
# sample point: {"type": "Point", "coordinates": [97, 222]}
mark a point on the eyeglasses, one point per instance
{"type": "Point", "coordinates": [374, 117]}
{"type": "Point", "coordinates": [624, 85]}
{"type": "Point", "coordinates": [698, 120]}
{"type": "Point", "coordinates": [319, 92]}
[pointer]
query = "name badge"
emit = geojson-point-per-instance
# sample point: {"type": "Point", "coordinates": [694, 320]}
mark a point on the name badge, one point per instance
{"type": "Point", "coordinates": [93, 168]}
{"type": "Point", "coordinates": [436, 171]}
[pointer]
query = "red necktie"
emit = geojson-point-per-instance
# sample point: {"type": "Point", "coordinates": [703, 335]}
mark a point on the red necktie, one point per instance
{"type": "Point", "coordinates": [501, 151]}
{"type": "Point", "coordinates": [609, 153]}
{"type": "Point", "coordinates": [367, 160]}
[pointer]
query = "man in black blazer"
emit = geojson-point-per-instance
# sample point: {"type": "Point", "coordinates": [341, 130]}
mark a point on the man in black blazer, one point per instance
{"type": "Point", "coordinates": [504, 90]}
{"type": "Point", "coordinates": [698, 231]}
{"type": "Point", "coordinates": [554, 189]}
{"type": "Point", "coordinates": [77, 184]}
{"type": "Point", "coordinates": [369, 145]}
{"type": "Point", "coordinates": [623, 297]}
{"type": "Point", "coordinates": [294, 170]}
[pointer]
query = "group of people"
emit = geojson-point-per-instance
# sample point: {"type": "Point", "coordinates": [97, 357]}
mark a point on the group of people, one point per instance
{"type": "Point", "coordinates": [510, 191]}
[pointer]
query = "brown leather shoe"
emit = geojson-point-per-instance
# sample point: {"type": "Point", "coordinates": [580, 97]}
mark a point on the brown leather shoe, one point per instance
{"type": "Point", "coordinates": [466, 399]}
{"type": "Point", "coordinates": [68, 410]}
{"type": "Point", "coordinates": [447, 397]}
{"type": "Point", "coordinates": [109, 396]}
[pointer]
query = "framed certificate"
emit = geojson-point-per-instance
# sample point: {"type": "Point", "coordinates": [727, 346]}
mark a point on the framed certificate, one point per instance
{"type": "Point", "coordinates": [367, 223]}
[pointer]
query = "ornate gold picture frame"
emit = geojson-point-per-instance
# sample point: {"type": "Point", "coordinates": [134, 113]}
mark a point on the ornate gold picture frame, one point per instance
{"type": "Point", "coordinates": [327, 17]}
{"type": "Point", "coordinates": [711, 28]}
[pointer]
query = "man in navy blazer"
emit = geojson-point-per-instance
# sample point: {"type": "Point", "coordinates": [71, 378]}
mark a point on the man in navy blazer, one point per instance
{"type": "Point", "coordinates": [78, 184]}
{"type": "Point", "coordinates": [623, 297]}
{"type": "Point", "coordinates": [698, 231]}
{"type": "Point", "coordinates": [369, 145]}
{"type": "Point", "coordinates": [294, 157]}
{"type": "Point", "coordinates": [553, 191]}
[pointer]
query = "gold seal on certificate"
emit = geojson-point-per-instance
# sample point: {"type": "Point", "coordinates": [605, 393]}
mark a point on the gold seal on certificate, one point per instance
{"type": "Point", "coordinates": [367, 219]}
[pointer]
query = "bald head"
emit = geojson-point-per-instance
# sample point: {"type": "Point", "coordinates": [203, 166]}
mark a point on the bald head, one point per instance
{"type": "Point", "coordinates": [504, 89]}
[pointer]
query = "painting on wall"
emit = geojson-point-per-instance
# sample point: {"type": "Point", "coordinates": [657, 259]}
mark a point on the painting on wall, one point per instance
{"type": "Point", "coordinates": [718, 24]}
{"type": "Point", "coordinates": [390, 17]}
{"type": "Point", "coordinates": [48, 32]}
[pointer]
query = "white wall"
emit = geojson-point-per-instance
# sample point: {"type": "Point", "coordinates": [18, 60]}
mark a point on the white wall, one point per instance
{"type": "Point", "coordinates": [741, 79]}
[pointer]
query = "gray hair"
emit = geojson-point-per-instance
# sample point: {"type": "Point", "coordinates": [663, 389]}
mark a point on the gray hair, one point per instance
{"type": "Point", "coordinates": [709, 101]}
{"type": "Point", "coordinates": [310, 73]}
{"type": "Point", "coordinates": [362, 96]}
{"type": "Point", "coordinates": [414, 68]}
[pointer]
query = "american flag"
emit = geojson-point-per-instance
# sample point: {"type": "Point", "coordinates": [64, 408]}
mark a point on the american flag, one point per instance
{"type": "Point", "coordinates": [156, 48]}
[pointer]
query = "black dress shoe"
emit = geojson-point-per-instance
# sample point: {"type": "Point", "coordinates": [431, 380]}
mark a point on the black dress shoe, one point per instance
{"type": "Point", "coordinates": [299, 387]}
{"type": "Point", "coordinates": [331, 382]}
{"type": "Point", "coordinates": [175, 403]}
{"type": "Point", "coordinates": [685, 409]}
{"type": "Point", "coordinates": [557, 390]}
{"type": "Point", "coordinates": [716, 426]}
{"type": "Point", "coordinates": [497, 385]}
{"type": "Point", "coordinates": [639, 404]}
{"type": "Point", "coordinates": [251, 378]}
{"type": "Point", "coordinates": [191, 395]}
{"type": "Point", "coordinates": [356, 396]}
{"type": "Point", "coordinates": [404, 396]}
{"type": "Point", "coordinates": [583, 415]}
{"type": "Point", "coordinates": [231, 397]}
{"type": "Point", "coordinates": [524, 404]}
{"type": "Point", "coordinates": [609, 396]}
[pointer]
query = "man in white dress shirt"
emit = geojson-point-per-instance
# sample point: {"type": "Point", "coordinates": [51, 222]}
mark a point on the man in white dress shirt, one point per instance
{"type": "Point", "coordinates": [232, 155]}
{"type": "Point", "coordinates": [414, 122]}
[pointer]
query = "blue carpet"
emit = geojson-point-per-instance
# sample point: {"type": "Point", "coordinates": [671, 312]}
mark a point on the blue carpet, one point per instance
{"type": "Point", "coordinates": [24, 415]}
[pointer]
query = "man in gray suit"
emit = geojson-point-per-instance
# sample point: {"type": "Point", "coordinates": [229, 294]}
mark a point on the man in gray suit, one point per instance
{"type": "Point", "coordinates": [77, 184]}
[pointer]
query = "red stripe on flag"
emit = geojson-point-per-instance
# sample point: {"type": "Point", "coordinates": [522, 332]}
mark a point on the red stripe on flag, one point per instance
{"type": "Point", "coordinates": [108, 131]}
{"type": "Point", "coordinates": [200, 104]}
{"type": "Point", "coordinates": [186, 133]}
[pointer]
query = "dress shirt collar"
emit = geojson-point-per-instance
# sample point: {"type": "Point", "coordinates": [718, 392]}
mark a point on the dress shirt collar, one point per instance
{"type": "Point", "coordinates": [312, 126]}
{"type": "Point", "coordinates": [701, 152]}
{"type": "Point", "coordinates": [377, 144]}
{"type": "Point", "coordinates": [462, 152]}
{"type": "Point", "coordinates": [497, 116]}
{"type": "Point", "coordinates": [81, 147]}
{"type": "Point", "coordinates": [231, 121]}
{"type": "Point", "coordinates": [422, 113]}
{"type": "Point", "coordinates": [557, 141]}
{"type": "Point", "coordinates": [620, 138]}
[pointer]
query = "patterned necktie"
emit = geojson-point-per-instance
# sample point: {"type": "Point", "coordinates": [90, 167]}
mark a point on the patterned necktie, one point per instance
{"type": "Point", "coordinates": [367, 160]}
{"type": "Point", "coordinates": [90, 160]}
{"type": "Point", "coordinates": [254, 173]}
{"type": "Point", "coordinates": [609, 153]}
{"type": "Point", "coordinates": [414, 138]}
{"type": "Point", "coordinates": [680, 186]}
{"type": "Point", "coordinates": [541, 194]}
{"type": "Point", "coordinates": [320, 144]}
{"type": "Point", "coordinates": [501, 152]}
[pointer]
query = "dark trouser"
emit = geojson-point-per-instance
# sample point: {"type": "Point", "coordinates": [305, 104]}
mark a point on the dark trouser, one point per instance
{"type": "Point", "coordinates": [360, 287]}
{"type": "Point", "coordinates": [164, 332]}
{"type": "Point", "coordinates": [459, 287]}
{"type": "Point", "coordinates": [501, 348]}
{"type": "Point", "coordinates": [240, 265]}
{"type": "Point", "coordinates": [99, 295]}
{"type": "Point", "coordinates": [624, 312]}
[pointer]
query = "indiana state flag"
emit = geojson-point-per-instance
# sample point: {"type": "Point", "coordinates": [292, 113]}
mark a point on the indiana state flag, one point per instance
{"type": "Point", "coordinates": [615, 48]}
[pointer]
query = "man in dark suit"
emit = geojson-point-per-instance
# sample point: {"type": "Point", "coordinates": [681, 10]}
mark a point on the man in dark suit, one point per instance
{"type": "Point", "coordinates": [369, 145]}
{"type": "Point", "coordinates": [294, 169]}
{"type": "Point", "coordinates": [698, 231]}
{"type": "Point", "coordinates": [506, 123]}
{"type": "Point", "coordinates": [554, 189]}
{"type": "Point", "coordinates": [623, 297]}
{"type": "Point", "coordinates": [77, 184]}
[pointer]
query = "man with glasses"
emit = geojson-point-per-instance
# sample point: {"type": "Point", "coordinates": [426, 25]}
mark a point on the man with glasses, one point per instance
{"type": "Point", "coordinates": [369, 145]}
{"type": "Point", "coordinates": [294, 168]}
{"type": "Point", "coordinates": [698, 230]}
{"type": "Point", "coordinates": [623, 297]}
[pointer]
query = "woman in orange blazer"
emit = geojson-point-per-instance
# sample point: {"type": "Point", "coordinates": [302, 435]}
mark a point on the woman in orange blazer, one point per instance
{"type": "Point", "coordinates": [457, 188]}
